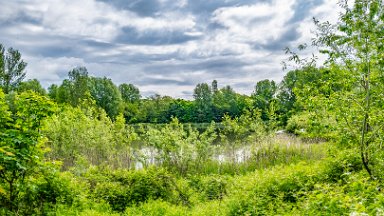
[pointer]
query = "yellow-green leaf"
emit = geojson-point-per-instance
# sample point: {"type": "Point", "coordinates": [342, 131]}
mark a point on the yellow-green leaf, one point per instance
{"type": "Point", "coordinates": [2, 191]}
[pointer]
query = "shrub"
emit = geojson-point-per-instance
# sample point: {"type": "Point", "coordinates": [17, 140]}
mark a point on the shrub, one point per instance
{"type": "Point", "coordinates": [127, 188]}
{"type": "Point", "coordinates": [214, 187]}
{"type": "Point", "coordinates": [157, 208]}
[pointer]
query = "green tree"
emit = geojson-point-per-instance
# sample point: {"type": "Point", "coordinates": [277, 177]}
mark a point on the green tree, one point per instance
{"type": "Point", "coordinates": [79, 79]}
{"type": "Point", "coordinates": [181, 109]}
{"type": "Point", "coordinates": [63, 94]}
{"type": "Point", "coordinates": [263, 95]}
{"type": "Point", "coordinates": [32, 85]}
{"type": "Point", "coordinates": [53, 92]}
{"type": "Point", "coordinates": [21, 143]}
{"type": "Point", "coordinates": [106, 95]}
{"type": "Point", "coordinates": [155, 108]}
{"type": "Point", "coordinates": [214, 86]}
{"type": "Point", "coordinates": [356, 44]}
{"type": "Point", "coordinates": [227, 101]}
{"type": "Point", "coordinates": [129, 93]}
{"type": "Point", "coordinates": [286, 97]}
{"type": "Point", "coordinates": [11, 69]}
{"type": "Point", "coordinates": [74, 89]}
{"type": "Point", "coordinates": [203, 102]}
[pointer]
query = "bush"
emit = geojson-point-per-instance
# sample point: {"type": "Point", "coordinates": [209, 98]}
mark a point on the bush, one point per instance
{"type": "Point", "coordinates": [340, 165]}
{"type": "Point", "coordinates": [126, 188]}
{"type": "Point", "coordinates": [41, 193]}
{"type": "Point", "coordinates": [212, 187]}
{"type": "Point", "coordinates": [157, 208]}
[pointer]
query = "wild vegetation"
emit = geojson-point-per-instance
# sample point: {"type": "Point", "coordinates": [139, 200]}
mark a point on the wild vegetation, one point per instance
{"type": "Point", "coordinates": [309, 145]}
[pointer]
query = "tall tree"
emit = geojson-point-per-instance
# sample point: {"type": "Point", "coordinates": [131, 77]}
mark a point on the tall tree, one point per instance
{"type": "Point", "coordinates": [129, 93]}
{"type": "Point", "coordinates": [106, 94]}
{"type": "Point", "coordinates": [286, 97]}
{"type": "Point", "coordinates": [11, 69]}
{"type": "Point", "coordinates": [53, 91]}
{"type": "Point", "coordinates": [20, 142]}
{"type": "Point", "coordinates": [356, 43]}
{"type": "Point", "coordinates": [214, 87]}
{"type": "Point", "coordinates": [32, 85]}
{"type": "Point", "coordinates": [79, 79]}
{"type": "Point", "coordinates": [265, 91]}
{"type": "Point", "coordinates": [227, 101]}
{"type": "Point", "coordinates": [203, 102]}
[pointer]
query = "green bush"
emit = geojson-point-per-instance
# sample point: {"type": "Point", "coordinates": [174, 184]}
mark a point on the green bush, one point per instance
{"type": "Point", "coordinates": [40, 194]}
{"type": "Point", "coordinates": [213, 187]}
{"type": "Point", "coordinates": [157, 208]}
{"type": "Point", "coordinates": [340, 165]}
{"type": "Point", "coordinates": [126, 188]}
{"type": "Point", "coordinates": [357, 196]}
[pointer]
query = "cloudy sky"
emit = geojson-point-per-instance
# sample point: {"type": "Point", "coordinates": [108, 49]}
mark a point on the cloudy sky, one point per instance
{"type": "Point", "coordinates": [161, 46]}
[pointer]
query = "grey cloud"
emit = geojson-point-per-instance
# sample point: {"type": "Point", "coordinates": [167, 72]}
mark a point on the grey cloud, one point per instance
{"type": "Point", "coordinates": [140, 7]}
{"type": "Point", "coordinates": [187, 92]}
{"type": "Point", "coordinates": [208, 6]}
{"type": "Point", "coordinates": [22, 17]}
{"type": "Point", "coordinates": [224, 67]}
{"type": "Point", "coordinates": [163, 81]}
{"type": "Point", "coordinates": [131, 35]}
{"type": "Point", "coordinates": [284, 40]}
{"type": "Point", "coordinates": [302, 8]}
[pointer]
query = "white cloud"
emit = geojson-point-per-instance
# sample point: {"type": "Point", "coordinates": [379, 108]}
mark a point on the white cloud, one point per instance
{"type": "Point", "coordinates": [260, 22]}
{"type": "Point", "coordinates": [50, 70]}
{"type": "Point", "coordinates": [90, 19]}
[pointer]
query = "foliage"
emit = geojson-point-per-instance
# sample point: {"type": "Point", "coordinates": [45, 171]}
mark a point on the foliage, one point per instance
{"type": "Point", "coordinates": [356, 44]}
{"type": "Point", "coordinates": [211, 187]}
{"type": "Point", "coordinates": [74, 132]}
{"type": "Point", "coordinates": [239, 131]}
{"type": "Point", "coordinates": [106, 95]}
{"type": "Point", "coordinates": [265, 91]}
{"type": "Point", "coordinates": [157, 208]}
{"type": "Point", "coordinates": [21, 145]}
{"type": "Point", "coordinates": [32, 85]}
{"type": "Point", "coordinates": [11, 69]}
{"type": "Point", "coordinates": [179, 149]}
{"type": "Point", "coordinates": [123, 189]}
{"type": "Point", "coordinates": [129, 93]}
{"type": "Point", "coordinates": [203, 102]}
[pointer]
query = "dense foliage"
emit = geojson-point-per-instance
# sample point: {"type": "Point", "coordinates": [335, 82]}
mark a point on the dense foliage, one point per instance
{"type": "Point", "coordinates": [309, 145]}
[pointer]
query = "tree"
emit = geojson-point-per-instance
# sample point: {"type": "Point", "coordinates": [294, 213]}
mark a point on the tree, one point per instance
{"type": "Point", "coordinates": [32, 85]}
{"type": "Point", "coordinates": [72, 90]}
{"type": "Point", "coordinates": [20, 141]}
{"type": "Point", "coordinates": [227, 101]}
{"type": "Point", "coordinates": [106, 95]}
{"type": "Point", "coordinates": [356, 43]}
{"type": "Point", "coordinates": [265, 91]}
{"type": "Point", "coordinates": [129, 93]}
{"type": "Point", "coordinates": [11, 69]}
{"type": "Point", "coordinates": [63, 92]}
{"type": "Point", "coordinates": [203, 102]}
{"type": "Point", "coordinates": [53, 92]}
{"type": "Point", "coordinates": [286, 97]}
{"type": "Point", "coordinates": [156, 108]}
{"type": "Point", "coordinates": [181, 109]}
{"type": "Point", "coordinates": [78, 77]}
{"type": "Point", "coordinates": [214, 86]}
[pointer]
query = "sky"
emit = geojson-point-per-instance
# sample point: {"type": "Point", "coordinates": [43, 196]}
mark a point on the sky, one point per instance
{"type": "Point", "coordinates": [165, 47]}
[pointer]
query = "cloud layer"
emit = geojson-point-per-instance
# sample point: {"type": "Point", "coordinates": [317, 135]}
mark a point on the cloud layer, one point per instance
{"type": "Point", "coordinates": [162, 46]}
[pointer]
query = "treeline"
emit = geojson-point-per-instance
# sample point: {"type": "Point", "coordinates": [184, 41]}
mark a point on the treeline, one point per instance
{"type": "Point", "coordinates": [210, 103]}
